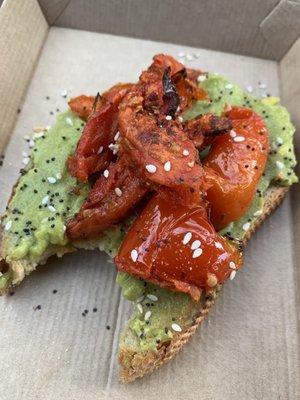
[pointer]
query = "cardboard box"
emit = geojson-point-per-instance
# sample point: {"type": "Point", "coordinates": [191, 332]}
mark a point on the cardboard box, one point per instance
{"type": "Point", "coordinates": [248, 347]}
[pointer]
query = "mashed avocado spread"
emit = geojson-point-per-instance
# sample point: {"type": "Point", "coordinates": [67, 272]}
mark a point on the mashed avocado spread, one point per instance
{"type": "Point", "coordinates": [47, 196]}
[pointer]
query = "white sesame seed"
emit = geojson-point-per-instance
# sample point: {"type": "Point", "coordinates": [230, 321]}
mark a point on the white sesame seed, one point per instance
{"type": "Point", "coordinates": [117, 135]}
{"type": "Point", "coordinates": [63, 93]}
{"type": "Point", "coordinates": [187, 237]}
{"type": "Point", "coordinates": [31, 143]}
{"type": "Point", "coordinates": [100, 150]}
{"type": "Point", "coordinates": [51, 208]}
{"type": "Point", "coordinates": [114, 148]}
{"type": "Point", "coordinates": [38, 135]}
{"type": "Point", "coordinates": [232, 274]}
{"type": "Point", "coordinates": [246, 226]}
{"type": "Point", "coordinates": [228, 86]}
{"type": "Point", "coordinates": [176, 327]}
{"type": "Point", "coordinates": [118, 192]}
{"type": "Point", "coordinates": [140, 308]}
{"type": "Point", "coordinates": [45, 199]}
{"type": "Point", "coordinates": [180, 119]}
{"type": "Point", "coordinates": [258, 213]}
{"type": "Point", "coordinates": [191, 164]}
{"type": "Point", "coordinates": [201, 78]}
{"type": "Point", "coordinates": [24, 154]}
{"type": "Point", "coordinates": [279, 140]}
{"type": "Point", "coordinates": [279, 165]}
{"type": "Point", "coordinates": [26, 137]}
{"type": "Point", "coordinates": [232, 133]}
{"type": "Point", "coordinates": [185, 152]}
{"type": "Point", "coordinates": [232, 265]}
{"type": "Point", "coordinates": [189, 57]}
{"type": "Point", "coordinates": [249, 88]}
{"type": "Point", "coordinates": [147, 315]}
{"type": "Point", "coordinates": [197, 253]}
{"type": "Point", "coordinates": [262, 85]}
{"type": "Point", "coordinates": [69, 121]}
{"type": "Point", "coordinates": [58, 176]}
{"type": "Point", "coordinates": [196, 244]}
{"type": "Point", "coordinates": [238, 139]}
{"type": "Point", "coordinates": [139, 299]}
{"type": "Point", "coordinates": [8, 225]}
{"type": "Point", "coordinates": [167, 166]}
{"type": "Point", "coordinates": [25, 160]}
{"type": "Point", "coordinates": [134, 255]}
{"type": "Point", "coordinates": [64, 228]}
{"type": "Point", "coordinates": [219, 245]}
{"type": "Point", "coordinates": [151, 168]}
{"type": "Point", "coordinates": [152, 297]}
{"type": "Point", "coordinates": [106, 173]}
{"type": "Point", "coordinates": [51, 179]}
{"type": "Point", "coordinates": [168, 117]}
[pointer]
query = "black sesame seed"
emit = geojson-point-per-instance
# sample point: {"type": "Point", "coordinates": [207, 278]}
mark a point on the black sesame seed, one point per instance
{"type": "Point", "coordinates": [57, 109]}
{"type": "Point", "coordinates": [35, 191]}
{"type": "Point", "coordinates": [47, 98]}
{"type": "Point", "coordinates": [108, 327]}
{"type": "Point", "coordinates": [61, 200]}
{"type": "Point", "coordinates": [47, 161]}
{"type": "Point", "coordinates": [44, 180]}
{"type": "Point", "coordinates": [83, 314]}
{"type": "Point", "coordinates": [51, 112]}
{"type": "Point", "coordinates": [86, 311]}
{"type": "Point", "coordinates": [95, 309]}
{"type": "Point", "coordinates": [35, 170]}
{"type": "Point", "coordinates": [283, 128]}
{"type": "Point", "coordinates": [173, 319]}
{"type": "Point", "coordinates": [63, 137]}
{"type": "Point", "coordinates": [52, 226]}
{"type": "Point", "coordinates": [54, 291]}
{"type": "Point", "coordinates": [53, 159]}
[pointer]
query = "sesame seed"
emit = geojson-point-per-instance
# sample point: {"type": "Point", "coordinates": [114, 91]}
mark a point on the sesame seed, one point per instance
{"type": "Point", "coordinates": [176, 327]}
{"type": "Point", "coordinates": [196, 244]}
{"type": "Point", "coordinates": [139, 299]}
{"type": "Point", "coordinates": [26, 137]}
{"type": "Point", "coordinates": [246, 226]}
{"type": "Point", "coordinates": [249, 88]}
{"type": "Point", "coordinates": [8, 225]}
{"type": "Point", "coordinates": [134, 255]}
{"type": "Point", "coordinates": [117, 135]}
{"type": "Point", "coordinates": [147, 315]}
{"type": "Point", "coordinates": [229, 86]}
{"type": "Point", "coordinates": [197, 253]}
{"type": "Point", "coordinates": [257, 213]}
{"type": "Point", "coordinates": [279, 140]}
{"type": "Point", "coordinates": [219, 245]}
{"type": "Point", "coordinates": [140, 308]}
{"type": "Point", "coordinates": [152, 297]}
{"type": "Point", "coordinates": [232, 133]}
{"type": "Point", "coordinates": [232, 265]}
{"type": "Point", "coordinates": [51, 208]}
{"type": "Point", "coordinates": [187, 238]}
{"type": "Point", "coordinates": [168, 117]}
{"type": "Point", "coordinates": [51, 179]}
{"type": "Point", "coordinates": [24, 154]}
{"type": "Point", "coordinates": [279, 165]}
{"type": "Point", "coordinates": [167, 166]}
{"type": "Point", "coordinates": [232, 274]}
{"type": "Point", "coordinates": [118, 192]}
{"type": "Point", "coordinates": [114, 148]}
{"type": "Point", "coordinates": [69, 121]}
{"type": "Point", "coordinates": [106, 173]}
{"type": "Point", "coordinates": [185, 152]}
{"type": "Point", "coordinates": [201, 78]}
{"type": "Point", "coordinates": [189, 57]}
{"type": "Point", "coordinates": [58, 176]}
{"type": "Point", "coordinates": [63, 93]}
{"type": "Point", "coordinates": [31, 143]}
{"type": "Point", "coordinates": [39, 134]}
{"type": "Point", "coordinates": [180, 119]}
{"type": "Point", "coordinates": [45, 200]}
{"type": "Point", "coordinates": [151, 168]}
{"type": "Point", "coordinates": [25, 160]}
{"type": "Point", "coordinates": [100, 150]}
{"type": "Point", "coordinates": [238, 139]}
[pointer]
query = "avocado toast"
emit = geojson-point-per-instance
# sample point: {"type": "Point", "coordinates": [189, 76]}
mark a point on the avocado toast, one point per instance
{"type": "Point", "coordinates": [144, 346]}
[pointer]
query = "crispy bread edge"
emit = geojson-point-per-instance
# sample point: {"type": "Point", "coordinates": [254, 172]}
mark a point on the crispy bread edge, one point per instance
{"type": "Point", "coordinates": [134, 365]}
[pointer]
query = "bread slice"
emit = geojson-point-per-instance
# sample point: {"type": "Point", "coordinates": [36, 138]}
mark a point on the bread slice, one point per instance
{"type": "Point", "coordinates": [134, 363]}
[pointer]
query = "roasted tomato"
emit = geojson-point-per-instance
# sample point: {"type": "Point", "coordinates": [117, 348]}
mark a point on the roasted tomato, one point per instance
{"type": "Point", "coordinates": [111, 198]}
{"type": "Point", "coordinates": [203, 130]}
{"type": "Point", "coordinates": [178, 248]}
{"type": "Point", "coordinates": [234, 166]}
{"type": "Point", "coordinates": [98, 134]}
{"type": "Point", "coordinates": [160, 148]}
{"type": "Point", "coordinates": [82, 106]}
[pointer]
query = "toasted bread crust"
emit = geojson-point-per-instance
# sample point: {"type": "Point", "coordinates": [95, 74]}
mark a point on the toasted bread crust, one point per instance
{"type": "Point", "coordinates": [134, 365]}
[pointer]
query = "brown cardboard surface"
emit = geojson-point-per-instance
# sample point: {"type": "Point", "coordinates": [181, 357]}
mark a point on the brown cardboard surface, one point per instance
{"type": "Point", "coordinates": [248, 348]}
{"type": "Point", "coordinates": [22, 33]}
{"type": "Point", "coordinates": [258, 28]}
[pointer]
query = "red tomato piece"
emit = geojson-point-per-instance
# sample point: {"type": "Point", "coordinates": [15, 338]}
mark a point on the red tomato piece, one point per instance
{"type": "Point", "coordinates": [234, 166]}
{"type": "Point", "coordinates": [178, 248]}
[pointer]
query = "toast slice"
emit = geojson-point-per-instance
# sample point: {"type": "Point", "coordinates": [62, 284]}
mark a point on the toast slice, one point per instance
{"type": "Point", "coordinates": [135, 362]}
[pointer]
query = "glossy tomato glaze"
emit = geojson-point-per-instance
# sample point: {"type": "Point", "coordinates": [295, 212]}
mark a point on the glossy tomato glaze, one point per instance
{"type": "Point", "coordinates": [177, 247]}
{"type": "Point", "coordinates": [234, 165]}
